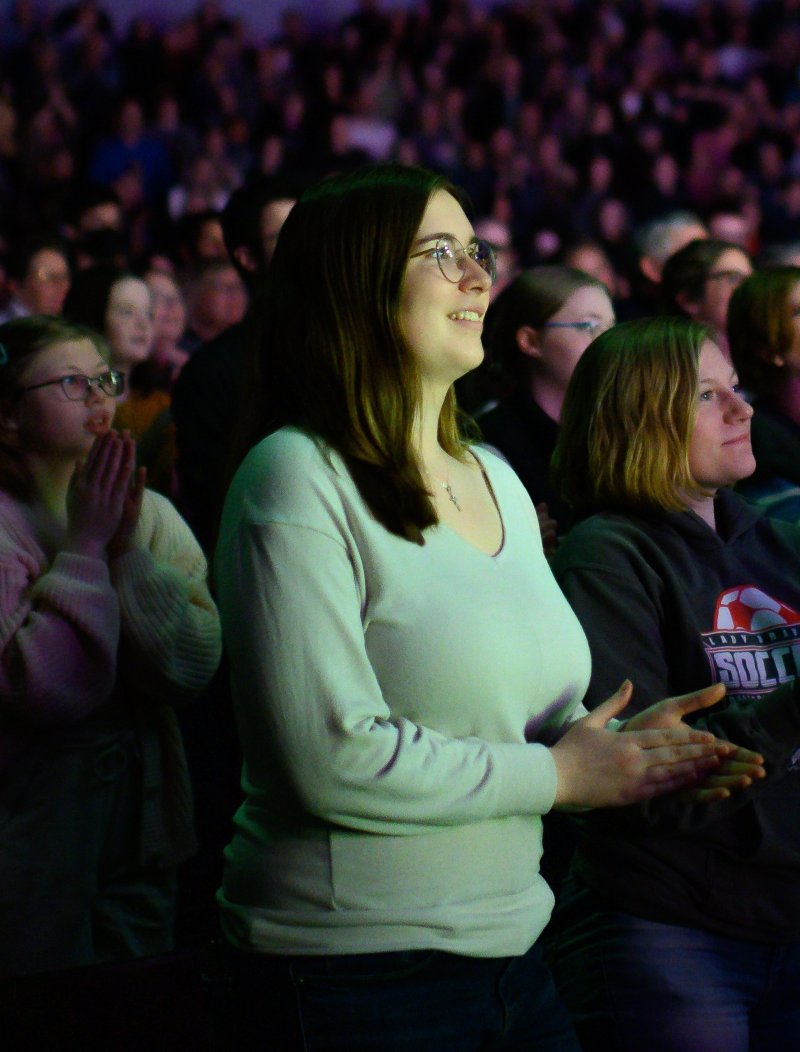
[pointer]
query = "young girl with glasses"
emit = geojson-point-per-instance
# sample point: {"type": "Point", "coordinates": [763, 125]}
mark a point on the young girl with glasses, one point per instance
{"type": "Point", "coordinates": [406, 675]}
{"type": "Point", "coordinates": [105, 623]}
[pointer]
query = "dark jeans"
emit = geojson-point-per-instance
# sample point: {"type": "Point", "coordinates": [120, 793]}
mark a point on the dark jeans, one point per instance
{"type": "Point", "coordinates": [72, 890]}
{"type": "Point", "coordinates": [631, 983]}
{"type": "Point", "coordinates": [413, 1001]}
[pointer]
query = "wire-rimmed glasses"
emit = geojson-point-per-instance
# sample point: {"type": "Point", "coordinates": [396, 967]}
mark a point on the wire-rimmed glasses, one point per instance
{"type": "Point", "coordinates": [76, 386]}
{"type": "Point", "coordinates": [451, 256]}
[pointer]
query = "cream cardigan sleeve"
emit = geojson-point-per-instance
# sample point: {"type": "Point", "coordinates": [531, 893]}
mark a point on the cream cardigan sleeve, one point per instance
{"type": "Point", "coordinates": [59, 628]}
{"type": "Point", "coordinates": [169, 620]}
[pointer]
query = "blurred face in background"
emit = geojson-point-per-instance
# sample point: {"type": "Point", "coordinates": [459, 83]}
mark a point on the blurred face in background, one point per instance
{"type": "Point", "coordinates": [169, 309]}
{"type": "Point", "coordinates": [129, 322]}
{"type": "Point", "coordinates": [46, 284]}
{"type": "Point", "coordinates": [727, 273]}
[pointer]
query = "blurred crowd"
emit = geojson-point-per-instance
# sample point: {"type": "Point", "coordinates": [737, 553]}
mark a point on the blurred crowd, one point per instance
{"type": "Point", "coordinates": [566, 121]}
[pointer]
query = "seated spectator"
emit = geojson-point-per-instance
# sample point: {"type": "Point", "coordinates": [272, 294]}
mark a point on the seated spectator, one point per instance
{"type": "Point", "coordinates": [170, 350]}
{"type": "Point", "coordinates": [216, 299]}
{"type": "Point", "coordinates": [200, 239]}
{"type": "Point", "coordinates": [118, 305]}
{"type": "Point", "coordinates": [132, 146]}
{"type": "Point", "coordinates": [592, 259]}
{"type": "Point", "coordinates": [107, 624]}
{"type": "Point", "coordinates": [765, 345]}
{"type": "Point", "coordinates": [207, 397]}
{"type": "Point", "coordinates": [536, 331]}
{"type": "Point", "coordinates": [675, 915]}
{"type": "Point", "coordinates": [699, 279]}
{"type": "Point", "coordinates": [654, 242]}
{"type": "Point", "coordinates": [96, 228]}
{"type": "Point", "coordinates": [38, 278]}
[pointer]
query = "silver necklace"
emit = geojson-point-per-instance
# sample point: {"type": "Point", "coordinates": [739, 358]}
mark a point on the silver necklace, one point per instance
{"type": "Point", "coordinates": [448, 490]}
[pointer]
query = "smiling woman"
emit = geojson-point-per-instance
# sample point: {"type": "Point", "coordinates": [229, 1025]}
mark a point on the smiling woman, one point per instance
{"type": "Point", "coordinates": [406, 676]}
{"type": "Point", "coordinates": [679, 583]}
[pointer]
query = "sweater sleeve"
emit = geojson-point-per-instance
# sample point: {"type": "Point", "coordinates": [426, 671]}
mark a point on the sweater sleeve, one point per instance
{"type": "Point", "coordinates": [59, 630]}
{"type": "Point", "coordinates": [311, 710]}
{"type": "Point", "coordinates": [169, 619]}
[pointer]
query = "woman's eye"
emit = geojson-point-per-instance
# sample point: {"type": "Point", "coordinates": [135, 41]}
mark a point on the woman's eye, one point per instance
{"type": "Point", "coordinates": [706, 396]}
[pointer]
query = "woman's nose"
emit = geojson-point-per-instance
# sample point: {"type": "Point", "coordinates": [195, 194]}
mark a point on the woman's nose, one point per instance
{"type": "Point", "coordinates": [740, 407]}
{"type": "Point", "coordinates": [475, 276]}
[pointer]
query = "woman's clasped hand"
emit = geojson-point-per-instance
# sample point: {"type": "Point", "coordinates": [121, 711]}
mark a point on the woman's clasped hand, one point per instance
{"type": "Point", "coordinates": [658, 753]}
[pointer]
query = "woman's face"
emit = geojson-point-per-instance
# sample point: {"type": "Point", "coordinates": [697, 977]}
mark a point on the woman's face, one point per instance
{"type": "Point", "coordinates": [720, 453]}
{"type": "Point", "coordinates": [169, 310]}
{"type": "Point", "coordinates": [443, 320]}
{"type": "Point", "coordinates": [47, 282]}
{"type": "Point", "coordinates": [129, 322]}
{"type": "Point", "coordinates": [563, 338]}
{"type": "Point", "coordinates": [728, 272]}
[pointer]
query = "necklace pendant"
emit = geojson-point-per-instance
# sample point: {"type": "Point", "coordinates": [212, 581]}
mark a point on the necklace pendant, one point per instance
{"type": "Point", "coordinates": [453, 498]}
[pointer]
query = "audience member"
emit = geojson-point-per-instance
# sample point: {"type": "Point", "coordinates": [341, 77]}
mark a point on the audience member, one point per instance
{"type": "Point", "coordinates": [699, 279]}
{"type": "Point", "coordinates": [655, 242]}
{"type": "Point", "coordinates": [216, 298]}
{"type": "Point", "coordinates": [170, 352]}
{"type": "Point", "coordinates": [107, 623]}
{"type": "Point", "coordinates": [535, 333]}
{"type": "Point", "coordinates": [431, 787]}
{"type": "Point", "coordinates": [676, 914]}
{"type": "Point", "coordinates": [765, 345]}
{"type": "Point", "coordinates": [38, 278]}
{"type": "Point", "coordinates": [116, 304]}
{"type": "Point", "coordinates": [207, 397]}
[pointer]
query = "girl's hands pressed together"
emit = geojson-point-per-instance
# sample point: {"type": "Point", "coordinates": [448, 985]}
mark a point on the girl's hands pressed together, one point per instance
{"type": "Point", "coordinates": [97, 495]}
{"type": "Point", "coordinates": [122, 541]}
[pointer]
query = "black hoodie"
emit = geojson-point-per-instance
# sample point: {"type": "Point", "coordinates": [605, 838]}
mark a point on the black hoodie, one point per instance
{"type": "Point", "coordinates": [675, 606]}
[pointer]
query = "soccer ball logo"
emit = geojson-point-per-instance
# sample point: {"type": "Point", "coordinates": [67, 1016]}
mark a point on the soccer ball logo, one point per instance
{"type": "Point", "coordinates": [748, 609]}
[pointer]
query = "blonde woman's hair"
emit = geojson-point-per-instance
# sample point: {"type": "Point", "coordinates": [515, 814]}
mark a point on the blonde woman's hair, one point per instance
{"type": "Point", "coordinates": [628, 418]}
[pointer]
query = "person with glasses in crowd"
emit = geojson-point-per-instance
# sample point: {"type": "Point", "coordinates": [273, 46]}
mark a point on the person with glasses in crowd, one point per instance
{"type": "Point", "coordinates": [407, 677]}
{"type": "Point", "coordinates": [699, 280]}
{"type": "Point", "coordinates": [536, 331]}
{"type": "Point", "coordinates": [106, 623]}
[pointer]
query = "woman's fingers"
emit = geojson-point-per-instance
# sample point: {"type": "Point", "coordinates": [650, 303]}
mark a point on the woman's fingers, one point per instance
{"type": "Point", "coordinates": [611, 707]}
{"type": "Point", "coordinates": [685, 704]}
